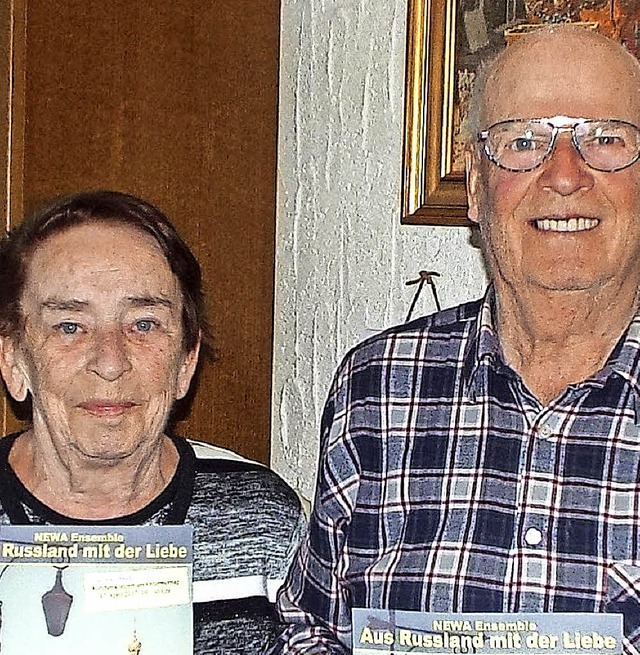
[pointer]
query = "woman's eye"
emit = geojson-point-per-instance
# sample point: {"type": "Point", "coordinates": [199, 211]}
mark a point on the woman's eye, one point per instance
{"type": "Point", "coordinates": [67, 327]}
{"type": "Point", "coordinates": [145, 325]}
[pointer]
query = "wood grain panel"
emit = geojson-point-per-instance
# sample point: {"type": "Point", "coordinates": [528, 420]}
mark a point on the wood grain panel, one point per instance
{"type": "Point", "coordinates": [176, 102]}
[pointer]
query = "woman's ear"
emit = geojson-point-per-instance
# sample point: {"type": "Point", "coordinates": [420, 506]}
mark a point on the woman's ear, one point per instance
{"type": "Point", "coordinates": [187, 369]}
{"type": "Point", "coordinates": [13, 369]}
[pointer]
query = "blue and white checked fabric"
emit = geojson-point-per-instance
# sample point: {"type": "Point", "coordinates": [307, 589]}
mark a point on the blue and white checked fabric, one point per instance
{"type": "Point", "coordinates": [445, 486]}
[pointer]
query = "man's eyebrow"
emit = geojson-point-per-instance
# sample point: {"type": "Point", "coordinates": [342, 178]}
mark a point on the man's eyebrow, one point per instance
{"type": "Point", "coordinates": [149, 301]}
{"type": "Point", "coordinates": [64, 305]}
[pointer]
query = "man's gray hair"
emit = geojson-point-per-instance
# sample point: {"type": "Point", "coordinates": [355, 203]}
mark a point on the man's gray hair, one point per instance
{"type": "Point", "coordinates": [471, 123]}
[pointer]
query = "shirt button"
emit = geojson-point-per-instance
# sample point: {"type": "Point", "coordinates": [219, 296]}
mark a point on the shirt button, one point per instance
{"type": "Point", "coordinates": [533, 537]}
{"type": "Point", "coordinates": [545, 431]}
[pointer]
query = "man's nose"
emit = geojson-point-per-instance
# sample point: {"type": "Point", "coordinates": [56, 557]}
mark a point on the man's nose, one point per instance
{"type": "Point", "coordinates": [110, 357]}
{"type": "Point", "coordinates": [565, 172]}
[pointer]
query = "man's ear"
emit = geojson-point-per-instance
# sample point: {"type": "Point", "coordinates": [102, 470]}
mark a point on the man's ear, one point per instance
{"type": "Point", "coordinates": [187, 369]}
{"type": "Point", "coordinates": [471, 180]}
{"type": "Point", "coordinates": [13, 369]}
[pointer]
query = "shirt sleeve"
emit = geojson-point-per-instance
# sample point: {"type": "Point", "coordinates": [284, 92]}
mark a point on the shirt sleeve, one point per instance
{"type": "Point", "coordinates": [314, 603]}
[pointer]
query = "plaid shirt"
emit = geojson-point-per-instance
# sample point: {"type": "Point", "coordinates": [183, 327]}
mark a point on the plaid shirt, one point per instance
{"type": "Point", "coordinates": [445, 486]}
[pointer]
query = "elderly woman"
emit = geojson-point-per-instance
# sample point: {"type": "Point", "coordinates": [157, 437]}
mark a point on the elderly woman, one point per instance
{"type": "Point", "coordinates": [101, 317]}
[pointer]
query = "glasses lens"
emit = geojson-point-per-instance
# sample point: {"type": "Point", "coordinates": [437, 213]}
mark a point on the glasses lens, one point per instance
{"type": "Point", "coordinates": [519, 145]}
{"type": "Point", "coordinates": [608, 145]}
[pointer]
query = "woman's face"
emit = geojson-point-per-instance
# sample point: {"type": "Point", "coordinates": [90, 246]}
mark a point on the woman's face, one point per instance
{"type": "Point", "coordinates": [101, 352]}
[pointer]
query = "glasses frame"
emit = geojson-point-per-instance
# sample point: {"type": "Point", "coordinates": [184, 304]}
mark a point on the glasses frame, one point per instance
{"type": "Point", "coordinates": [558, 124]}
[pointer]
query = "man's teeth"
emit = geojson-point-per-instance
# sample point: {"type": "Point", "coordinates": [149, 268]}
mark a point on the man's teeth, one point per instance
{"type": "Point", "coordinates": [566, 224]}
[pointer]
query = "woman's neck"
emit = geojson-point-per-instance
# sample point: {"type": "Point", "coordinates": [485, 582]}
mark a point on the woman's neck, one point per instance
{"type": "Point", "coordinates": [83, 489]}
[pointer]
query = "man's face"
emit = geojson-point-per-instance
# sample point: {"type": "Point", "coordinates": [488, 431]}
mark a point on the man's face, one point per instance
{"type": "Point", "coordinates": [101, 351]}
{"type": "Point", "coordinates": [527, 219]}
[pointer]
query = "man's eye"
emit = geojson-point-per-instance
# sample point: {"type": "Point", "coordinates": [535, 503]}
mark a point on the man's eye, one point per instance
{"type": "Point", "coordinates": [522, 144]}
{"type": "Point", "coordinates": [145, 325]}
{"type": "Point", "coordinates": [606, 136]}
{"type": "Point", "coordinates": [608, 140]}
{"type": "Point", "coordinates": [67, 327]}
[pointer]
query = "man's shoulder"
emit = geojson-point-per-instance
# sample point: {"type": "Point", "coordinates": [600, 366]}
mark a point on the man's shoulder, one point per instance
{"type": "Point", "coordinates": [448, 326]}
{"type": "Point", "coordinates": [453, 319]}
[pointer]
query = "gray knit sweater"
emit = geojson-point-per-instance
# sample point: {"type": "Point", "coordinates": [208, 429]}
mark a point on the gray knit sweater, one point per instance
{"type": "Point", "coordinates": [247, 523]}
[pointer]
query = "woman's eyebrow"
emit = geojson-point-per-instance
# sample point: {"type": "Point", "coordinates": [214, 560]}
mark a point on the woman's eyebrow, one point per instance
{"type": "Point", "coordinates": [149, 301]}
{"type": "Point", "coordinates": [59, 304]}
{"type": "Point", "coordinates": [75, 305]}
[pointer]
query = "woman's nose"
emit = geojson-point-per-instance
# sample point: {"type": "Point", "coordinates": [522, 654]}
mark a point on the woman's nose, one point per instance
{"type": "Point", "coordinates": [110, 357]}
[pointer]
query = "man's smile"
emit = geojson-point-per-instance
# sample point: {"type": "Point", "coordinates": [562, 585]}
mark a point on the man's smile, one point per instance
{"type": "Point", "coordinates": [573, 224]}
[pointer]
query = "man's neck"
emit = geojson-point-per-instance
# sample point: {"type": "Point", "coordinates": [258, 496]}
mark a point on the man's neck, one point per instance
{"type": "Point", "coordinates": [557, 338]}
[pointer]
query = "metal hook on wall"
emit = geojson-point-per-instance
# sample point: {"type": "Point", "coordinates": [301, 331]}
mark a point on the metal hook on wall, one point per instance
{"type": "Point", "coordinates": [425, 276]}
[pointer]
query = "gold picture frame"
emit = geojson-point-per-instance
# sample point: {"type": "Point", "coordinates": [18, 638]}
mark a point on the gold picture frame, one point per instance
{"type": "Point", "coordinates": [446, 42]}
{"type": "Point", "coordinates": [432, 191]}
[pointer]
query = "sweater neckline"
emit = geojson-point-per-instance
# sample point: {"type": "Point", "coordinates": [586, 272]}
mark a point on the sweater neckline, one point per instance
{"type": "Point", "coordinates": [169, 507]}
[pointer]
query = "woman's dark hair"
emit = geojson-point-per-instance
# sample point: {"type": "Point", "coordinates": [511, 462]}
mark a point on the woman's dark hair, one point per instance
{"type": "Point", "coordinates": [17, 248]}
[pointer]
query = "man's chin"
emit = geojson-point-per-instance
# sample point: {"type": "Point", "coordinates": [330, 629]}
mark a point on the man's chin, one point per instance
{"type": "Point", "coordinates": [569, 286]}
{"type": "Point", "coordinates": [571, 279]}
{"type": "Point", "coordinates": [551, 281]}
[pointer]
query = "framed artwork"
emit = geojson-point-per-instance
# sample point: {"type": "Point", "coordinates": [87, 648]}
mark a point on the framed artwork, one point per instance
{"type": "Point", "coordinates": [447, 40]}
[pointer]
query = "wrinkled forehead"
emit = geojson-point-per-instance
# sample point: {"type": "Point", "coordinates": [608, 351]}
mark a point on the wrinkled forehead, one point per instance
{"type": "Point", "coordinates": [98, 255]}
{"type": "Point", "coordinates": [101, 234]}
{"type": "Point", "coordinates": [569, 72]}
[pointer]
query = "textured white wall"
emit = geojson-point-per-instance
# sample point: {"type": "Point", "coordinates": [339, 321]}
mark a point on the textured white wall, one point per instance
{"type": "Point", "coordinates": [342, 255]}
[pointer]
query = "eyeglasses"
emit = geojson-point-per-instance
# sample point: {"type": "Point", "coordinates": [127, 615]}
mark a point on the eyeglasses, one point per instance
{"type": "Point", "coordinates": [523, 144]}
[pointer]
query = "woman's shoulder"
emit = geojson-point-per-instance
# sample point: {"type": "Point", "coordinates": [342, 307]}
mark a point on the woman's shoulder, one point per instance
{"type": "Point", "coordinates": [207, 451]}
{"type": "Point", "coordinates": [229, 483]}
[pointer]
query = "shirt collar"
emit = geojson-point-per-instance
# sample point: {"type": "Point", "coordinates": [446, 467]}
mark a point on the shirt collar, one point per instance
{"type": "Point", "coordinates": [483, 351]}
{"type": "Point", "coordinates": [625, 357]}
{"type": "Point", "coordinates": [482, 348]}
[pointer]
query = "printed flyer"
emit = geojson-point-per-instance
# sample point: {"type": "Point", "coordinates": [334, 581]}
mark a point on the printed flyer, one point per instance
{"type": "Point", "coordinates": [104, 590]}
{"type": "Point", "coordinates": [389, 631]}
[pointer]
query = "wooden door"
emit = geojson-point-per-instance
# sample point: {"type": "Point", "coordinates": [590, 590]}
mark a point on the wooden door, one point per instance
{"type": "Point", "coordinates": [175, 101]}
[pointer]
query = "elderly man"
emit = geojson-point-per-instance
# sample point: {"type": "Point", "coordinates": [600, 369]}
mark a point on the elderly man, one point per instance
{"type": "Point", "coordinates": [487, 458]}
